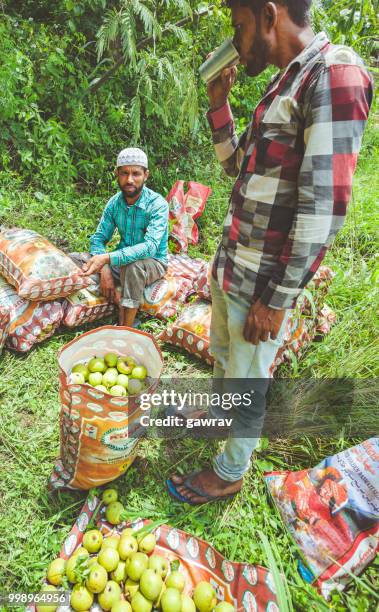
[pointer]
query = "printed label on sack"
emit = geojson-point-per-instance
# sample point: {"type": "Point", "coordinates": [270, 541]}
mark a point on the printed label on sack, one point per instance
{"type": "Point", "coordinates": [117, 439]}
{"type": "Point", "coordinates": [155, 292]}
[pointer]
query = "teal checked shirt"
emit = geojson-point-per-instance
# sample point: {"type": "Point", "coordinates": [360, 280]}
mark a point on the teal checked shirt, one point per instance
{"type": "Point", "coordinates": [143, 229]}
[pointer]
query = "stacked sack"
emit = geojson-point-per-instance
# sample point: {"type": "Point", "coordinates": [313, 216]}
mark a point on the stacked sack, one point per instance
{"type": "Point", "coordinates": [191, 330]}
{"type": "Point", "coordinates": [34, 277]}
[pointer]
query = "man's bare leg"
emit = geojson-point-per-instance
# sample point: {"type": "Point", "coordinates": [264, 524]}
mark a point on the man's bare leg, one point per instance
{"type": "Point", "coordinates": [127, 316]}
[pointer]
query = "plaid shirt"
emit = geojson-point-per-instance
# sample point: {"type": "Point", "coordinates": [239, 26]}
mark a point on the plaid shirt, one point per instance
{"type": "Point", "coordinates": [295, 166]}
{"type": "Point", "coordinates": [143, 229]}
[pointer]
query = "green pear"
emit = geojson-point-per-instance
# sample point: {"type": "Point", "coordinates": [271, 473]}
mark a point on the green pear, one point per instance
{"type": "Point", "coordinates": [134, 386]}
{"type": "Point", "coordinates": [76, 378]}
{"type": "Point", "coordinates": [117, 391]}
{"type": "Point", "coordinates": [109, 495]}
{"type": "Point", "coordinates": [92, 540]}
{"type": "Point", "coordinates": [147, 543]}
{"type": "Point", "coordinates": [112, 541]}
{"type": "Point", "coordinates": [123, 367]}
{"type": "Point", "coordinates": [127, 546]}
{"type": "Point", "coordinates": [101, 388]}
{"type": "Point", "coordinates": [150, 584]}
{"type": "Point", "coordinates": [139, 372]}
{"type": "Point", "coordinates": [188, 604]}
{"type": "Point", "coordinates": [118, 575]}
{"type": "Point", "coordinates": [110, 377]}
{"type": "Point", "coordinates": [109, 558]}
{"type": "Point", "coordinates": [73, 567]}
{"type": "Point", "coordinates": [56, 571]}
{"type": "Point", "coordinates": [139, 603]}
{"type": "Point", "coordinates": [224, 606]}
{"type": "Point", "coordinates": [96, 364]}
{"type": "Point", "coordinates": [111, 360]}
{"type": "Point", "coordinates": [81, 599]}
{"type": "Point", "coordinates": [110, 595]}
{"type": "Point", "coordinates": [121, 606]}
{"type": "Point", "coordinates": [127, 531]}
{"type": "Point", "coordinates": [171, 601]}
{"type": "Point", "coordinates": [159, 564]}
{"type": "Point", "coordinates": [95, 379]}
{"type": "Point", "coordinates": [122, 380]}
{"type": "Point", "coordinates": [176, 580]}
{"type": "Point", "coordinates": [47, 607]}
{"type": "Point", "coordinates": [81, 551]}
{"type": "Point", "coordinates": [204, 596]}
{"type": "Point", "coordinates": [131, 588]}
{"type": "Point", "coordinates": [81, 368]}
{"type": "Point", "coordinates": [136, 565]}
{"type": "Point", "coordinates": [97, 578]}
{"type": "Point", "coordinates": [113, 512]}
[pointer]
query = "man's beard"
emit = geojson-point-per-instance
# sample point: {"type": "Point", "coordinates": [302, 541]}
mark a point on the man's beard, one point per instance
{"type": "Point", "coordinates": [132, 194]}
{"type": "Point", "coordinates": [259, 53]}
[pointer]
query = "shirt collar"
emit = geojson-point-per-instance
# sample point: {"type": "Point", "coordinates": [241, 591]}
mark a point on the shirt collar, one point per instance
{"type": "Point", "coordinates": [141, 202]}
{"type": "Point", "coordinates": [311, 50]}
{"type": "Point", "coordinates": [306, 55]}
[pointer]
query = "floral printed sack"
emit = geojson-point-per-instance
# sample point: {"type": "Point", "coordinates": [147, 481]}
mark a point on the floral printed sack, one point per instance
{"type": "Point", "coordinates": [249, 588]}
{"type": "Point", "coordinates": [98, 432]}
{"type": "Point", "coordinates": [84, 306]}
{"type": "Point", "coordinates": [28, 322]}
{"type": "Point", "coordinates": [37, 269]}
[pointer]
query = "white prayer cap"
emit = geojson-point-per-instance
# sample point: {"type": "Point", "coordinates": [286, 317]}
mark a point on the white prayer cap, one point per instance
{"type": "Point", "coordinates": [132, 157]}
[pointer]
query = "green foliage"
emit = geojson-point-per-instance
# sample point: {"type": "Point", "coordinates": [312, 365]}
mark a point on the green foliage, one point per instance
{"type": "Point", "coordinates": [352, 23]}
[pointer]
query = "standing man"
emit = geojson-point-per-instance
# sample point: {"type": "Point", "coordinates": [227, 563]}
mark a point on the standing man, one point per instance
{"type": "Point", "coordinates": [141, 217]}
{"type": "Point", "coordinates": [294, 167]}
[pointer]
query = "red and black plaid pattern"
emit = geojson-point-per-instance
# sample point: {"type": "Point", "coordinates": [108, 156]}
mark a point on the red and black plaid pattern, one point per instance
{"type": "Point", "coordinates": [294, 167]}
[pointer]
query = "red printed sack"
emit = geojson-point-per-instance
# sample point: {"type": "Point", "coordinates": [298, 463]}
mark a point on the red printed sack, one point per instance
{"type": "Point", "coordinates": [249, 588]}
{"type": "Point", "coordinates": [332, 512]}
{"type": "Point", "coordinates": [164, 298]}
{"type": "Point", "coordinates": [29, 322]}
{"type": "Point", "coordinates": [184, 209]}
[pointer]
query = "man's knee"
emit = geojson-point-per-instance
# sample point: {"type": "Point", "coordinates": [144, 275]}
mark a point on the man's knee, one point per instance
{"type": "Point", "coordinates": [132, 270]}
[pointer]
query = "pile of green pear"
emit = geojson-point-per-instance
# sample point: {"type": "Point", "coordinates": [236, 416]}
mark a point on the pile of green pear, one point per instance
{"type": "Point", "coordinates": [114, 374]}
{"type": "Point", "coordinates": [121, 573]}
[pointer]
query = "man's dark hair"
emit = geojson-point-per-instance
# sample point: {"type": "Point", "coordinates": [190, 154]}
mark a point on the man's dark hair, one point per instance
{"type": "Point", "coordinates": [298, 10]}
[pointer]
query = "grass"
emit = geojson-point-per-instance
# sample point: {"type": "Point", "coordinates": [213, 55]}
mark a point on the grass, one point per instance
{"type": "Point", "coordinates": [33, 523]}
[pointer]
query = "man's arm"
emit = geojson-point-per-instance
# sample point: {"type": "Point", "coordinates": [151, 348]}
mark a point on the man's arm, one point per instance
{"type": "Point", "coordinates": [104, 232]}
{"type": "Point", "coordinates": [337, 112]}
{"type": "Point", "coordinates": [156, 229]}
{"type": "Point", "coordinates": [228, 146]}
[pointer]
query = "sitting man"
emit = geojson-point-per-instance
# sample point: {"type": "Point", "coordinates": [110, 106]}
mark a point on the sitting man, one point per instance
{"type": "Point", "coordinates": [141, 217]}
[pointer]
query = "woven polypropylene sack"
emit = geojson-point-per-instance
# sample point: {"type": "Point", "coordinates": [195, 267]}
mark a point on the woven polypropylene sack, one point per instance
{"type": "Point", "coordinates": [37, 269]}
{"type": "Point", "coordinates": [191, 330]}
{"type": "Point", "coordinates": [29, 322]}
{"type": "Point", "coordinates": [98, 432]}
{"type": "Point", "coordinates": [4, 326]}
{"type": "Point", "coordinates": [165, 297]}
{"type": "Point", "coordinates": [188, 267]}
{"type": "Point", "coordinates": [249, 588]}
{"type": "Point", "coordinates": [332, 512]}
{"type": "Point", "coordinates": [84, 307]}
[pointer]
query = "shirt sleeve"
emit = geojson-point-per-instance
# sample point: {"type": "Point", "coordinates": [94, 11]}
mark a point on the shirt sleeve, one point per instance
{"type": "Point", "coordinates": [229, 148]}
{"type": "Point", "coordinates": [104, 232]}
{"type": "Point", "coordinates": [336, 112]}
{"type": "Point", "coordinates": [156, 230]}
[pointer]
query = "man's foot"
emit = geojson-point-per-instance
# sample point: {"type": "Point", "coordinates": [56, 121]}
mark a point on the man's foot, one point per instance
{"type": "Point", "coordinates": [202, 487]}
